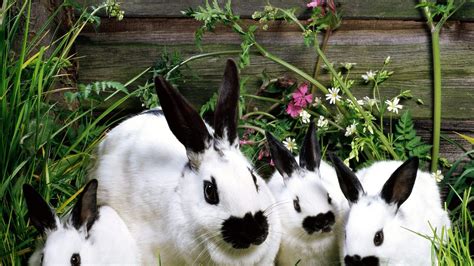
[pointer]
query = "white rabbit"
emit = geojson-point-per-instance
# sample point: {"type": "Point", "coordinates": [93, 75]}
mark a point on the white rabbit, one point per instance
{"type": "Point", "coordinates": [310, 204]}
{"type": "Point", "coordinates": [89, 235]}
{"type": "Point", "coordinates": [187, 193]}
{"type": "Point", "coordinates": [392, 201]}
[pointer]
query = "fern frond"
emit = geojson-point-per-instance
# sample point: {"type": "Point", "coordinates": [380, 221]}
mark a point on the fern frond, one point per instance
{"type": "Point", "coordinates": [406, 141]}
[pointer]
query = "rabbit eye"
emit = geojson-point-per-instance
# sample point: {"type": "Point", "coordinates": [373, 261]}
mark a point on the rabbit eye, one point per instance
{"type": "Point", "coordinates": [210, 192]}
{"type": "Point", "coordinates": [378, 238]}
{"type": "Point", "coordinates": [75, 259]}
{"type": "Point", "coordinates": [329, 199]}
{"type": "Point", "coordinates": [296, 204]}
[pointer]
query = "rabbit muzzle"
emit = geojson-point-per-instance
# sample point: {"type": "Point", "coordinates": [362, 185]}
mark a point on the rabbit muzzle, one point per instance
{"type": "Point", "coordinates": [245, 231]}
{"type": "Point", "coordinates": [357, 260]}
{"type": "Point", "coordinates": [321, 222]}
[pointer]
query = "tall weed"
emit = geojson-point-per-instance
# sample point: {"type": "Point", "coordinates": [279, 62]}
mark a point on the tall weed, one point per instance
{"type": "Point", "coordinates": [40, 143]}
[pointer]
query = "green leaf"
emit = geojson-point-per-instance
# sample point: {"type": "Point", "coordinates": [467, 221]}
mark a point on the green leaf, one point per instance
{"type": "Point", "coordinates": [210, 105]}
{"type": "Point", "coordinates": [469, 139]}
{"type": "Point", "coordinates": [406, 142]}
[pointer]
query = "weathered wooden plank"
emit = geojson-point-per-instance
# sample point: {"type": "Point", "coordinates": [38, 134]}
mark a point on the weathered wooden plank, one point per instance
{"type": "Point", "coordinates": [448, 128]}
{"type": "Point", "coordinates": [118, 51]}
{"type": "Point", "coordinates": [366, 9]}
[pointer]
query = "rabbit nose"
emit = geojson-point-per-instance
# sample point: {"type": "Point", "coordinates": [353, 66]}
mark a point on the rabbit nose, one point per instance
{"type": "Point", "coordinates": [356, 260]}
{"type": "Point", "coordinates": [322, 221]}
{"type": "Point", "coordinates": [242, 232]}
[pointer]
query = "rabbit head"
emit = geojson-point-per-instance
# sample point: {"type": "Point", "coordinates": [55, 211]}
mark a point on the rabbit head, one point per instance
{"type": "Point", "coordinates": [306, 210]}
{"type": "Point", "coordinates": [79, 238]}
{"type": "Point", "coordinates": [372, 235]}
{"type": "Point", "coordinates": [227, 205]}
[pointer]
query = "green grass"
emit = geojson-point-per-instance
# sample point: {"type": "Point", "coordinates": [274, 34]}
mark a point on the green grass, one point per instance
{"type": "Point", "coordinates": [455, 249]}
{"type": "Point", "coordinates": [51, 147]}
{"type": "Point", "coordinates": [40, 143]}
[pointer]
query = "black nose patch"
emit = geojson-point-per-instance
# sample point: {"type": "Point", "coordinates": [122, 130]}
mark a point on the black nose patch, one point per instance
{"type": "Point", "coordinates": [356, 260]}
{"type": "Point", "coordinates": [321, 222]}
{"type": "Point", "coordinates": [242, 232]}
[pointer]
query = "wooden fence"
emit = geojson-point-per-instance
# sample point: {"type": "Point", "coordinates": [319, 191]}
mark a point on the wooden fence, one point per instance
{"type": "Point", "coordinates": [371, 31]}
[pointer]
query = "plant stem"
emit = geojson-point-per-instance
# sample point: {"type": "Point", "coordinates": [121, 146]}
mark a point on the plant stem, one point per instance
{"type": "Point", "coordinates": [379, 132]}
{"type": "Point", "coordinates": [199, 56]}
{"type": "Point", "coordinates": [327, 34]}
{"type": "Point", "coordinates": [435, 29]}
{"type": "Point", "coordinates": [437, 99]}
{"type": "Point", "coordinates": [330, 121]}
{"type": "Point", "coordinates": [260, 130]}
{"type": "Point", "coordinates": [291, 67]}
{"type": "Point", "coordinates": [247, 115]}
{"type": "Point", "coordinates": [262, 98]}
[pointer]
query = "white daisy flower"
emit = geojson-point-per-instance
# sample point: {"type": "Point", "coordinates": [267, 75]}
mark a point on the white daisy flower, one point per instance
{"type": "Point", "coordinates": [438, 176]}
{"type": "Point", "coordinates": [333, 95]}
{"type": "Point", "coordinates": [393, 106]}
{"type": "Point", "coordinates": [290, 144]}
{"type": "Point", "coordinates": [305, 117]}
{"type": "Point", "coordinates": [348, 65]}
{"type": "Point", "coordinates": [360, 102]}
{"type": "Point", "coordinates": [368, 128]}
{"type": "Point", "coordinates": [339, 119]}
{"type": "Point", "coordinates": [370, 102]}
{"type": "Point", "coordinates": [322, 122]}
{"type": "Point", "coordinates": [387, 60]}
{"type": "Point", "coordinates": [350, 130]}
{"type": "Point", "coordinates": [317, 101]}
{"type": "Point", "coordinates": [369, 76]}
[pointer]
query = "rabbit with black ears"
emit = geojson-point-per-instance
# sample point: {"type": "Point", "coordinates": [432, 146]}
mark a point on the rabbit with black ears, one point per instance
{"type": "Point", "coordinates": [391, 203]}
{"type": "Point", "coordinates": [310, 203]}
{"type": "Point", "coordinates": [186, 191]}
{"type": "Point", "coordinates": [89, 235]}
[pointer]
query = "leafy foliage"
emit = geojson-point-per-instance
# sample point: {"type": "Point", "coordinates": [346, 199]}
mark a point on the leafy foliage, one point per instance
{"type": "Point", "coordinates": [406, 142]}
{"type": "Point", "coordinates": [211, 14]}
{"type": "Point", "coordinates": [93, 90]}
{"type": "Point", "coordinates": [210, 105]}
{"type": "Point", "coordinates": [166, 65]}
{"type": "Point", "coordinates": [40, 143]}
{"type": "Point", "coordinates": [456, 248]}
{"type": "Point", "coordinates": [460, 177]}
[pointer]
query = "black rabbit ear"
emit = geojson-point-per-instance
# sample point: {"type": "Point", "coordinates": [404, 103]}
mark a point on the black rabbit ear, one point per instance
{"type": "Point", "coordinates": [284, 161]}
{"type": "Point", "coordinates": [183, 120]}
{"type": "Point", "coordinates": [225, 116]}
{"type": "Point", "coordinates": [398, 187]}
{"type": "Point", "coordinates": [85, 211]}
{"type": "Point", "coordinates": [348, 181]}
{"type": "Point", "coordinates": [310, 153]}
{"type": "Point", "coordinates": [41, 215]}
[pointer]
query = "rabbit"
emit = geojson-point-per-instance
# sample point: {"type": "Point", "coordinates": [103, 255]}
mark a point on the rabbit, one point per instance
{"type": "Point", "coordinates": [184, 188]}
{"type": "Point", "coordinates": [310, 202]}
{"type": "Point", "coordinates": [391, 203]}
{"type": "Point", "coordinates": [89, 235]}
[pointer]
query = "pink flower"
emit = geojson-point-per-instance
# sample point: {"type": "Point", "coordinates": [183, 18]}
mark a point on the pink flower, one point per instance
{"type": "Point", "coordinates": [323, 4]}
{"type": "Point", "coordinates": [263, 153]}
{"type": "Point", "coordinates": [243, 142]}
{"type": "Point", "coordinates": [293, 110]}
{"type": "Point", "coordinates": [315, 3]}
{"type": "Point", "coordinates": [300, 97]}
{"type": "Point", "coordinates": [331, 5]}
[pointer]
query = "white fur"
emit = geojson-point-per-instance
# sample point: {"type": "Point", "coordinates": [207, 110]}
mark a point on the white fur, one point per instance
{"type": "Point", "coordinates": [312, 188]}
{"type": "Point", "coordinates": [371, 213]}
{"type": "Point", "coordinates": [143, 174]}
{"type": "Point", "coordinates": [108, 242]}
